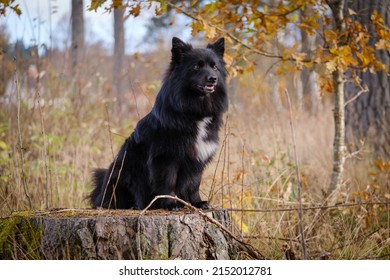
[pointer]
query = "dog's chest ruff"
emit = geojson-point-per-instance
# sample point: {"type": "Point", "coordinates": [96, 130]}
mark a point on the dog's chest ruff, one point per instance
{"type": "Point", "coordinates": [204, 147]}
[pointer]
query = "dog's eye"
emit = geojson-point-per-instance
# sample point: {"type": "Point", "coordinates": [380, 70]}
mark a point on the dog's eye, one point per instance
{"type": "Point", "coordinates": [215, 67]}
{"type": "Point", "coordinates": [196, 67]}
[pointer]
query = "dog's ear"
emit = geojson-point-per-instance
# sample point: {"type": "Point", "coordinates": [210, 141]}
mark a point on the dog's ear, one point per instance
{"type": "Point", "coordinates": [218, 46]}
{"type": "Point", "coordinates": [178, 49]}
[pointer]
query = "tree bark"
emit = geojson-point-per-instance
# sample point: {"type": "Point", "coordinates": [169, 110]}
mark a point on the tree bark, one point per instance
{"type": "Point", "coordinates": [337, 7]}
{"type": "Point", "coordinates": [368, 117]}
{"type": "Point", "coordinates": [121, 234]}
{"type": "Point", "coordinates": [339, 137]}
{"type": "Point", "coordinates": [77, 48]}
{"type": "Point", "coordinates": [119, 51]}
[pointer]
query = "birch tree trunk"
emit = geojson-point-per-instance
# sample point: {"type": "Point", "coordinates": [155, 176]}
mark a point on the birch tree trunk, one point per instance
{"type": "Point", "coordinates": [337, 7]}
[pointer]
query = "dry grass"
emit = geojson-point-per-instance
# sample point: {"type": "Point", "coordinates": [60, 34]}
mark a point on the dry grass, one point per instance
{"type": "Point", "coordinates": [70, 130]}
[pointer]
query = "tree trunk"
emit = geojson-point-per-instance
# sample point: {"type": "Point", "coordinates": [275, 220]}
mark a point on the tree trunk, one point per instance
{"type": "Point", "coordinates": [337, 7]}
{"type": "Point", "coordinates": [310, 89]}
{"type": "Point", "coordinates": [368, 117]}
{"type": "Point", "coordinates": [119, 52]}
{"type": "Point", "coordinates": [77, 48]}
{"type": "Point", "coordinates": [121, 234]}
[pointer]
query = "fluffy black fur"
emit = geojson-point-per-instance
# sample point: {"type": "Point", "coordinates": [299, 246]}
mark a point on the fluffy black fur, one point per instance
{"type": "Point", "coordinates": [170, 147]}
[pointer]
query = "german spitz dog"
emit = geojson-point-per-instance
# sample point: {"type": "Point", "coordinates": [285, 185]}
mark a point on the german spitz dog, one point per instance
{"type": "Point", "coordinates": [171, 146]}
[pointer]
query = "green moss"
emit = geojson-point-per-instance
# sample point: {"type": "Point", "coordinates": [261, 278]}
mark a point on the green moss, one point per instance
{"type": "Point", "coordinates": [158, 251]}
{"type": "Point", "coordinates": [20, 238]}
{"type": "Point", "coordinates": [22, 213]}
{"type": "Point", "coordinates": [70, 213]}
{"type": "Point", "coordinates": [7, 226]}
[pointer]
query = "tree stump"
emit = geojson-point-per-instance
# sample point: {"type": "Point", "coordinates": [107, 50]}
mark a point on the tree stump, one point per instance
{"type": "Point", "coordinates": [120, 234]}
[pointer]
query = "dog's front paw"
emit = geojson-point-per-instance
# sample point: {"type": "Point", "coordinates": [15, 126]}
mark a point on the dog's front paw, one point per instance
{"type": "Point", "coordinates": [202, 205]}
{"type": "Point", "coordinates": [174, 207]}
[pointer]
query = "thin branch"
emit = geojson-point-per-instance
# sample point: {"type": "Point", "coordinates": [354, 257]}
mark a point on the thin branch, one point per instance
{"type": "Point", "coordinates": [45, 151]}
{"type": "Point", "coordinates": [362, 90]}
{"type": "Point", "coordinates": [300, 212]}
{"type": "Point", "coordinates": [228, 34]}
{"type": "Point", "coordinates": [117, 179]}
{"type": "Point", "coordinates": [213, 182]}
{"type": "Point", "coordinates": [109, 131]}
{"type": "Point", "coordinates": [286, 13]}
{"type": "Point", "coordinates": [113, 195]}
{"type": "Point", "coordinates": [21, 148]}
{"type": "Point", "coordinates": [236, 39]}
{"type": "Point", "coordinates": [242, 186]}
{"type": "Point", "coordinates": [322, 207]}
{"type": "Point", "coordinates": [259, 236]}
{"type": "Point", "coordinates": [245, 246]}
{"type": "Point", "coordinates": [355, 154]}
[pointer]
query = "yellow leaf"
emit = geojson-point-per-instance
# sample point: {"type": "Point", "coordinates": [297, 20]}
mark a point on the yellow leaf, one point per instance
{"type": "Point", "coordinates": [244, 227]}
{"type": "Point", "coordinates": [228, 58]}
{"type": "Point", "coordinates": [209, 31]}
{"type": "Point", "coordinates": [333, 51]}
{"type": "Point", "coordinates": [250, 68]}
{"type": "Point", "coordinates": [330, 35]}
{"type": "Point", "coordinates": [294, 17]}
{"type": "Point", "coordinates": [382, 44]}
{"type": "Point", "coordinates": [298, 56]}
{"type": "Point", "coordinates": [351, 12]}
{"type": "Point", "coordinates": [365, 59]}
{"type": "Point", "coordinates": [195, 28]}
{"type": "Point", "coordinates": [135, 11]}
{"type": "Point", "coordinates": [117, 4]}
{"type": "Point", "coordinates": [331, 65]}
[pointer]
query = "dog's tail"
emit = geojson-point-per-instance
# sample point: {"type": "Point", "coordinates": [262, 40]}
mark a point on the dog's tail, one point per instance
{"type": "Point", "coordinates": [98, 180]}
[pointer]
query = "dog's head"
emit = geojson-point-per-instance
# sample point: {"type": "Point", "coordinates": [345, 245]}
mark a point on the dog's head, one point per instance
{"type": "Point", "coordinates": [201, 70]}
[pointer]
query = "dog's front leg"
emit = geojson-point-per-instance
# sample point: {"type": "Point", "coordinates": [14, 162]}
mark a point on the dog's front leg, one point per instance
{"type": "Point", "coordinates": [163, 179]}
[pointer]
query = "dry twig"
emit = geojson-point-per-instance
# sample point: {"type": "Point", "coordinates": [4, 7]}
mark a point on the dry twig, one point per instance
{"type": "Point", "coordinates": [243, 245]}
{"type": "Point", "coordinates": [300, 212]}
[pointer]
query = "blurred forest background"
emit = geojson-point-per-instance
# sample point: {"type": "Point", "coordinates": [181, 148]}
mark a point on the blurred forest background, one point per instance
{"type": "Point", "coordinates": [297, 181]}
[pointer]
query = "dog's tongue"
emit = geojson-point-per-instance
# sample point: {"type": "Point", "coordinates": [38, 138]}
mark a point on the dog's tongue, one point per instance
{"type": "Point", "coordinates": [209, 87]}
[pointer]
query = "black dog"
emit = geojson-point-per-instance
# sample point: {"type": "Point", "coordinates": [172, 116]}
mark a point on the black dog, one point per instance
{"type": "Point", "coordinates": [170, 147]}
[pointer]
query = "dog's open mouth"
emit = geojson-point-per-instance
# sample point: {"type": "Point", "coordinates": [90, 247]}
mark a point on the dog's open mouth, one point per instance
{"type": "Point", "coordinates": [207, 88]}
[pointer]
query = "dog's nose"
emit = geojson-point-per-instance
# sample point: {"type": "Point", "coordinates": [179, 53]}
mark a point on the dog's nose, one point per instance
{"type": "Point", "coordinates": [212, 79]}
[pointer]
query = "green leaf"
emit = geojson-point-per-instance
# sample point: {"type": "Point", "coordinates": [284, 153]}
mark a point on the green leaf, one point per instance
{"type": "Point", "coordinates": [3, 145]}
